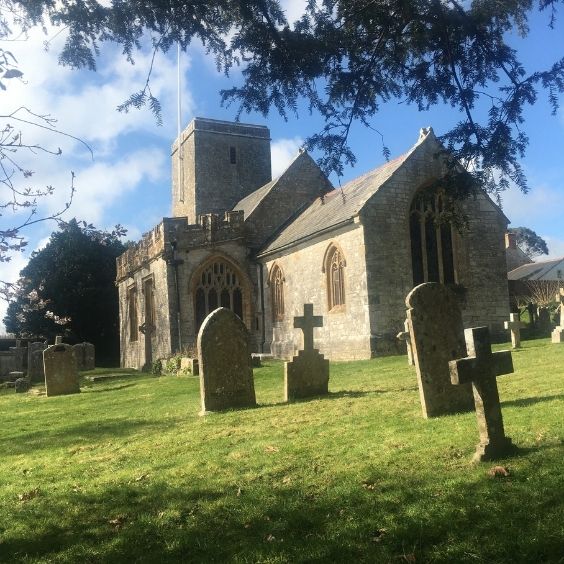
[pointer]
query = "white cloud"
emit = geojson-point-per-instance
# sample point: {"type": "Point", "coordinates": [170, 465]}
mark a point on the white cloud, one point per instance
{"type": "Point", "coordinates": [283, 152]}
{"type": "Point", "coordinates": [294, 9]}
{"type": "Point", "coordinates": [542, 203]}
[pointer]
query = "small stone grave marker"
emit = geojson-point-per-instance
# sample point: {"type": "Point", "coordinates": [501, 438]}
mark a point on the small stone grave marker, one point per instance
{"type": "Point", "coordinates": [437, 336]}
{"type": "Point", "coordinates": [514, 325]}
{"type": "Point", "coordinates": [85, 354]}
{"type": "Point", "coordinates": [22, 385]}
{"type": "Point", "coordinates": [404, 336]}
{"type": "Point", "coordinates": [307, 374]}
{"type": "Point", "coordinates": [481, 367]}
{"type": "Point", "coordinates": [61, 375]}
{"type": "Point", "coordinates": [558, 332]}
{"type": "Point", "coordinates": [35, 370]}
{"type": "Point", "coordinates": [224, 358]}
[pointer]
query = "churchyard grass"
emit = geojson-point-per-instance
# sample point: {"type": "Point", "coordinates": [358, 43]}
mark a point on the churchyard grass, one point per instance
{"type": "Point", "coordinates": [126, 471]}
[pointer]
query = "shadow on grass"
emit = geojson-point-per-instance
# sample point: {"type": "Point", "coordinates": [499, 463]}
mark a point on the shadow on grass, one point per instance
{"type": "Point", "coordinates": [397, 518]}
{"type": "Point", "coordinates": [524, 402]}
{"type": "Point", "coordinates": [87, 389]}
{"type": "Point", "coordinates": [75, 435]}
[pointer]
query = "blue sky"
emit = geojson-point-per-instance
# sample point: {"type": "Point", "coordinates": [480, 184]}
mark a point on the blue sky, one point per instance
{"type": "Point", "coordinates": [127, 180]}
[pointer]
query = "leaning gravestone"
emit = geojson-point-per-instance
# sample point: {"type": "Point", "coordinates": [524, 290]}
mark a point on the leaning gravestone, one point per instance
{"type": "Point", "coordinates": [558, 333]}
{"type": "Point", "coordinates": [224, 359]}
{"type": "Point", "coordinates": [85, 356]}
{"type": "Point", "coordinates": [481, 367]}
{"type": "Point", "coordinates": [307, 374]}
{"type": "Point", "coordinates": [35, 370]}
{"type": "Point", "coordinates": [61, 375]}
{"type": "Point", "coordinates": [437, 336]}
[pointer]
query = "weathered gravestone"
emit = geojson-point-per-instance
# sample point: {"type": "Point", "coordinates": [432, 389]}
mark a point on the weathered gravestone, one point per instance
{"type": "Point", "coordinates": [35, 361]}
{"type": "Point", "coordinates": [85, 356]}
{"type": "Point", "coordinates": [437, 336]}
{"type": "Point", "coordinates": [224, 359]}
{"type": "Point", "coordinates": [558, 333]}
{"type": "Point", "coordinates": [481, 367]}
{"type": "Point", "coordinates": [20, 356]}
{"type": "Point", "coordinates": [307, 374]}
{"type": "Point", "coordinates": [543, 321]}
{"type": "Point", "coordinates": [61, 375]}
{"type": "Point", "coordinates": [514, 325]}
{"type": "Point", "coordinates": [404, 336]}
{"type": "Point", "coordinates": [190, 365]}
{"type": "Point", "coordinates": [22, 385]}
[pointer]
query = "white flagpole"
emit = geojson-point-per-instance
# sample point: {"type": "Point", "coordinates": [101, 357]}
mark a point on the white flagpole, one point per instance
{"type": "Point", "coordinates": [179, 123]}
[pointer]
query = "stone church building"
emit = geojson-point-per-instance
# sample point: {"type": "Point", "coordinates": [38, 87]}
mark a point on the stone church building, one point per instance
{"type": "Point", "coordinates": [263, 247]}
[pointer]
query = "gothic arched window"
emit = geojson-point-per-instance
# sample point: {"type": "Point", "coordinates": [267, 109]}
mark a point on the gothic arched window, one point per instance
{"type": "Point", "coordinates": [335, 272]}
{"type": "Point", "coordinates": [432, 253]}
{"type": "Point", "coordinates": [277, 293]}
{"type": "Point", "coordinates": [132, 313]}
{"type": "Point", "coordinates": [218, 285]}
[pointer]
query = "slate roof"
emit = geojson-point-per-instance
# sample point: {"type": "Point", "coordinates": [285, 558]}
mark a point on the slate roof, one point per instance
{"type": "Point", "coordinates": [250, 202]}
{"type": "Point", "coordinates": [542, 270]}
{"type": "Point", "coordinates": [337, 207]}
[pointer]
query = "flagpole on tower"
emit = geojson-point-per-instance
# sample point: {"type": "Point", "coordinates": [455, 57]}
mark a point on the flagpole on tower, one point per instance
{"type": "Point", "coordinates": [179, 123]}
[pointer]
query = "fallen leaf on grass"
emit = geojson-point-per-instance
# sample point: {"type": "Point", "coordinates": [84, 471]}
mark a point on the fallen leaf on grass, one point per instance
{"type": "Point", "coordinates": [271, 448]}
{"type": "Point", "coordinates": [499, 472]}
{"type": "Point", "coordinates": [378, 534]}
{"type": "Point", "coordinates": [270, 538]}
{"type": "Point", "coordinates": [118, 522]}
{"type": "Point", "coordinates": [141, 477]}
{"type": "Point", "coordinates": [286, 480]}
{"type": "Point", "coordinates": [31, 494]}
{"type": "Point", "coordinates": [369, 485]}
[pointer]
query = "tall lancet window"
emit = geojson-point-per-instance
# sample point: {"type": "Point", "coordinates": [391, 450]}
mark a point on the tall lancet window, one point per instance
{"type": "Point", "coordinates": [277, 293]}
{"type": "Point", "coordinates": [432, 251]}
{"type": "Point", "coordinates": [335, 272]}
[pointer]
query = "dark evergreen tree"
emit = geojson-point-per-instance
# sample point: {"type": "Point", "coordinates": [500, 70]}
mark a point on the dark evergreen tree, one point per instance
{"type": "Point", "coordinates": [72, 278]}
{"type": "Point", "coordinates": [529, 242]}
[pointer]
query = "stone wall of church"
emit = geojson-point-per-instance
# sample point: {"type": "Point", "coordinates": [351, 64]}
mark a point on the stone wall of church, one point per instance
{"type": "Point", "coordinates": [133, 352]}
{"type": "Point", "coordinates": [345, 334]}
{"type": "Point", "coordinates": [479, 254]}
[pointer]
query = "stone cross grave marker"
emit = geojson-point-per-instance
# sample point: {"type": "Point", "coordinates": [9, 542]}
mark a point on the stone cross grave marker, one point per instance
{"type": "Point", "coordinates": [481, 367]}
{"type": "Point", "coordinates": [306, 324]}
{"type": "Point", "coordinates": [307, 374]}
{"type": "Point", "coordinates": [61, 375]}
{"type": "Point", "coordinates": [558, 332]}
{"type": "Point", "coordinates": [404, 336]}
{"type": "Point", "coordinates": [437, 336]}
{"type": "Point", "coordinates": [58, 340]}
{"type": "Point", "coordinates": [514, 325]}
{"type": "Point", "coordinates": [35, 370]}
{"type": "Point", "coordinates": [224, 360]}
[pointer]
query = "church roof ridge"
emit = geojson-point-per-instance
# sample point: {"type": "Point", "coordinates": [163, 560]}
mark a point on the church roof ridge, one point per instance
{"type": "Point", "coordinates": [331, 211]}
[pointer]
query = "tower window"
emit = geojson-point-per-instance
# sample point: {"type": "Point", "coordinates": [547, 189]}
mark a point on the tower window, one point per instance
{"type": "Point", "coordinates": [232, 155]}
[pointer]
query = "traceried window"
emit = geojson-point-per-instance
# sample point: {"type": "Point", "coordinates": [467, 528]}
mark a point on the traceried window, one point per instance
{"type": "Point", "coordinates": [335, 271]}
{"type": "Point", "coordinates": [132, 314]}
{"type": "Point", "coordinates": [432, 253]}
{"type": "Point", "coordinates": [277, 292]}
{"type": "Point", "coordinates": [218, 285]}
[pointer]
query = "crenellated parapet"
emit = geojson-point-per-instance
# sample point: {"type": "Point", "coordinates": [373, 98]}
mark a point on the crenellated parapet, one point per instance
{"type": "Point", "coordinates": [177, 234]}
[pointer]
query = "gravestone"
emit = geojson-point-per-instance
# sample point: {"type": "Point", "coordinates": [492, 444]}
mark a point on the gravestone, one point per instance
{"type": "Point", "coordinates": [307, 374]}
{"type": "Point", "coordinates": [404, 336]}
{"type": "Point", "coordinates": [437, 336]}
{"type": "Point", "coordinates": [35, 370]}
{"type": "Point", "coordinates": [61, 374]}
{"type": "Point", "coordinates": [22, 385]}
{"type": "Point", "coordinates": [85, 356]}
{"type": "Point", "coordinates": [20, 356]}
{"type": "Point", "coordinates": [543, 321]}
{"type": "Point", "coordinates": [558, 333]}
{"type": "Point", "coordinates": [514, 325]}
{"type": "Point", "coordinates": [190, 365]}
{"type": "Point", "coordinates": [224, 359]}
{"type": "Point", "coordinates": [481, 367]}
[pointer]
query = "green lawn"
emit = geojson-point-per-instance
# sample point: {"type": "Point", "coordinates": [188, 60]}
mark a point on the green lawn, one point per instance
{"type": "Point", "coordinates": [127, 471]}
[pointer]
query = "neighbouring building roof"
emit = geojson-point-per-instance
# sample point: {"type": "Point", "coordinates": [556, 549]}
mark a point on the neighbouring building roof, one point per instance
{"type": "Point", "coordinates": [250, 202]}
{"type": "Point", "coordinates": [542, 270]}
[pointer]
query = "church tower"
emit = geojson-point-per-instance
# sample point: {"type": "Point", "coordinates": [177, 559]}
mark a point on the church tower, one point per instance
{"type": "Point", "coordinates": [219, 163]}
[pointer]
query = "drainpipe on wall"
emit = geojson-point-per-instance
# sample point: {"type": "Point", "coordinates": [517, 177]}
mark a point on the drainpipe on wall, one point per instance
{"type": "Point", "coordinates": [175, 262]}
{"type": "Point", "coordinates": [261, 284]}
